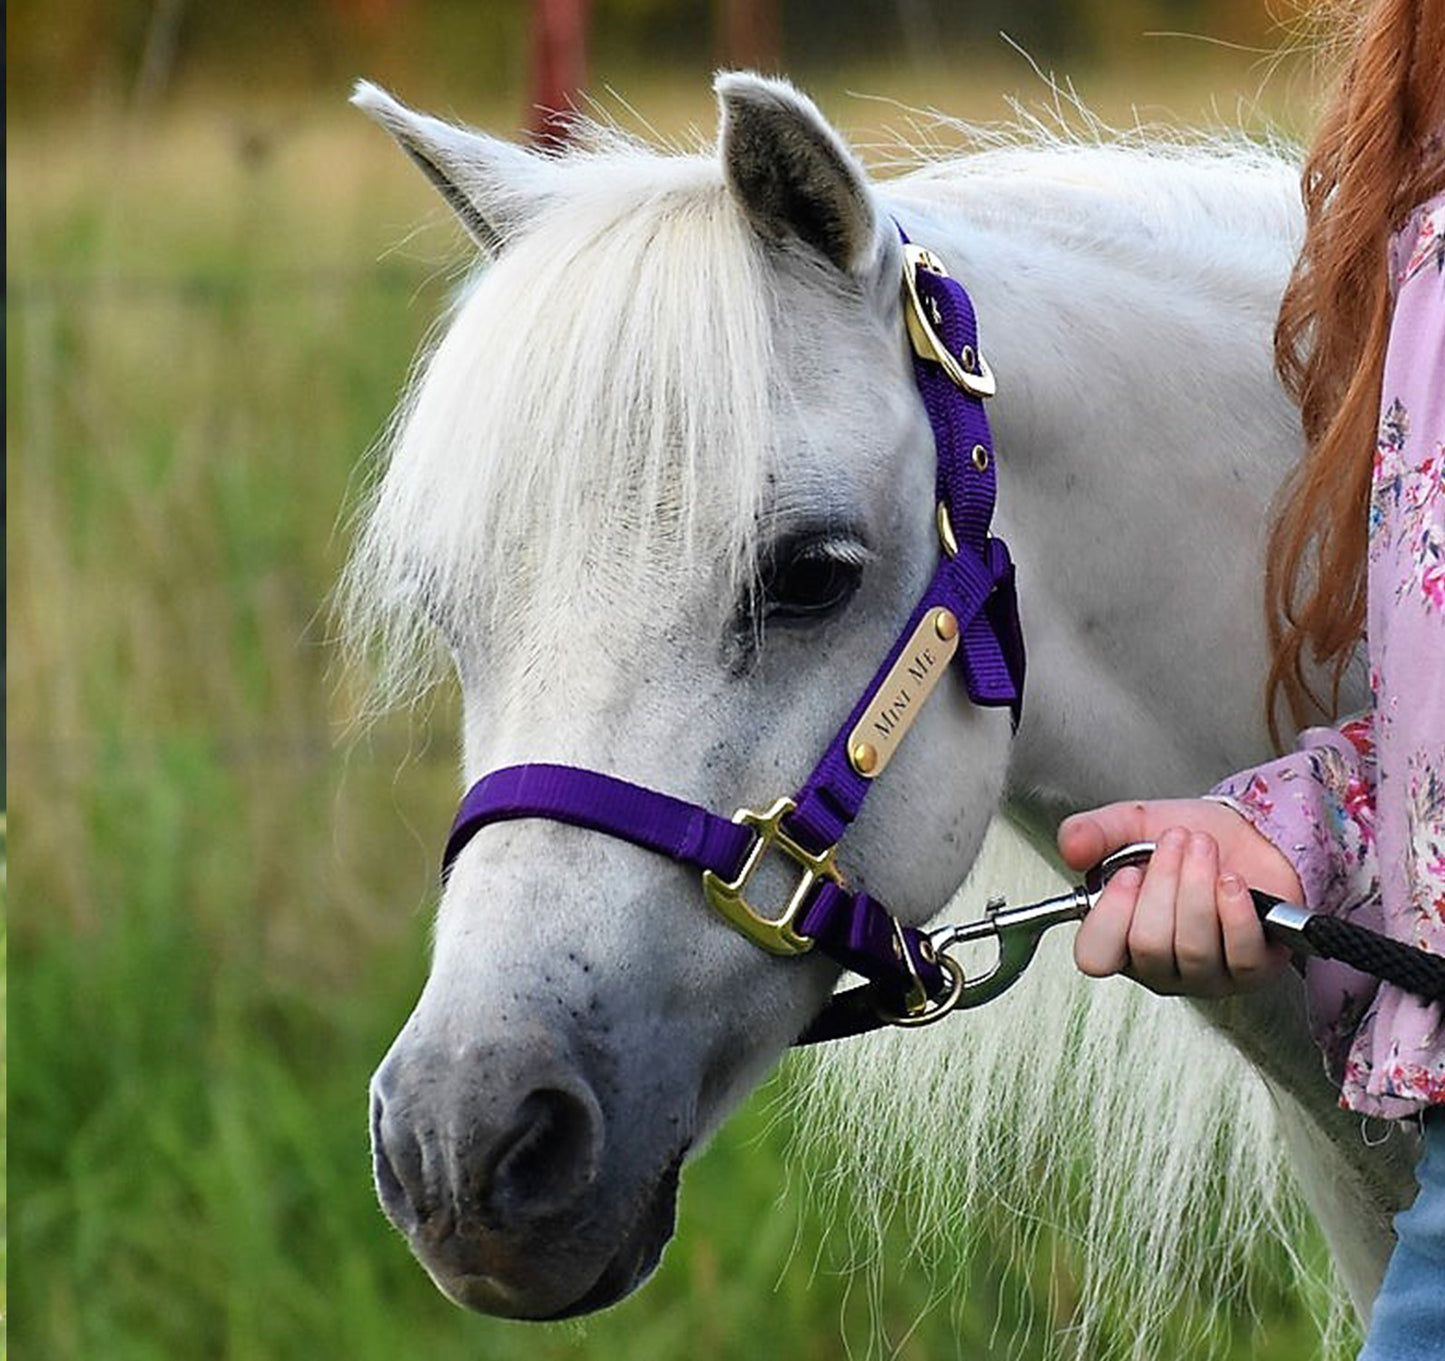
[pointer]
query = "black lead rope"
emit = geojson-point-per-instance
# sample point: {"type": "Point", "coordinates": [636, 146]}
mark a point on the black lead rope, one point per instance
{"type": "Point", "coordinates": [1416, 971]}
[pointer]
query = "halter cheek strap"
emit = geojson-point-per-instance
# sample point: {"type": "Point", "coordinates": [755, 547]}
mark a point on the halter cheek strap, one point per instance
{"type": "Point", "coordinates": [968, 612]}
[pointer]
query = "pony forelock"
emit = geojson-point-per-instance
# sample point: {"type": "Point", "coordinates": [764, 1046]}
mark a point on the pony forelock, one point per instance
{"type": "Point", "coordinates": [593, 417]}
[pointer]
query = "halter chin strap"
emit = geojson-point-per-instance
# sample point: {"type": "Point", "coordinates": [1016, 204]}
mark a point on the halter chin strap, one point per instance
{"type": "Point", "coordinates": [966, 619]}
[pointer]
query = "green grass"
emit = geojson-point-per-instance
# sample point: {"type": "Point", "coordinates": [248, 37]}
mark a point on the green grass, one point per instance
{"type": "Point", "coordinates": [4, 1093]}
{"type": "Point", "coordinates": [220, 907]}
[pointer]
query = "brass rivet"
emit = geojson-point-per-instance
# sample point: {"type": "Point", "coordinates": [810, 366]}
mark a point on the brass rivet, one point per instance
{"type": "Point", "coordinates": [945, 625]}
{"type": "Point", "coordinates": [966, 357]}
{"type": "Point", "coordinates": [980, 458]}
{"type": "Point", "coordinates": [945, 531]}
{"type": "Point", "coordinates": [864, 756]}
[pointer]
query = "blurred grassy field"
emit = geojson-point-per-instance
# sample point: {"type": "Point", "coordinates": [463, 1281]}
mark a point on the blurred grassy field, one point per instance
{"type": "Point", "coordinates": [221, 901]}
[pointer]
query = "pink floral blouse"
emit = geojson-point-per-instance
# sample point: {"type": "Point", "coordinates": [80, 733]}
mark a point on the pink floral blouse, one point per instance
{"type": "Point", "coordinates": [1360, 810]}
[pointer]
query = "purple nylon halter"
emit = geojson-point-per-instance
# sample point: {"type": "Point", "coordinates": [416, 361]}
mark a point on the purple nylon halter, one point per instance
{"type": "Point", "coordinates": [975, 582]}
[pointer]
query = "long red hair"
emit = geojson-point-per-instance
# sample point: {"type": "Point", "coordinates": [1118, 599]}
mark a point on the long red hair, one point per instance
{"type": "Point", "coordinates": [1378, 153]}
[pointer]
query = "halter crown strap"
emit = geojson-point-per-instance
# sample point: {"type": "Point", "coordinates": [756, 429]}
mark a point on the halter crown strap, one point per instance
{"type": "Point", "coordinates": [975, 576]}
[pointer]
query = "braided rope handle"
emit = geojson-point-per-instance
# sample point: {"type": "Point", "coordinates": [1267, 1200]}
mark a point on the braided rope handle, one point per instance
{"type": "Point", "coordinates": [1414, 970]}
{"type": "Point", "coordinates": [1417, 971]}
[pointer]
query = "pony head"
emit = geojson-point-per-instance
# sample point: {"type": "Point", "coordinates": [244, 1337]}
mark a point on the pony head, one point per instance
{"type": "Point", "coordinates": [663, 488]}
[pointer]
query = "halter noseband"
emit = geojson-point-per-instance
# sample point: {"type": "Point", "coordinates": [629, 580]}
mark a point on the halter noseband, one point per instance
{"type": "Point", "coordinates": [967, 616]}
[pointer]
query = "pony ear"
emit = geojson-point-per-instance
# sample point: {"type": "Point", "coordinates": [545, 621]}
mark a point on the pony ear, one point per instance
{"type": "Point", "coordinates": [493, 186]}
{"type": "Point", "coordinates": [791, 173]}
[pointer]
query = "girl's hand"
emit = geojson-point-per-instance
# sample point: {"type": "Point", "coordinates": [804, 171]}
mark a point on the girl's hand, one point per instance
{"type": "Point", "coordinates": [1185, 924]}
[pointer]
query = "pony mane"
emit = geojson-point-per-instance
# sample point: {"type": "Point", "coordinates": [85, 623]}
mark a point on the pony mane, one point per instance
{"type": "Point", "coordinates": [1092, 1118]}
{"type": "Point", "coordinates": [1196, 208]}
{"type": "Point", "coordinates": [593, 417]}
{"type": "Point", "coordinates": [1170, 1184]}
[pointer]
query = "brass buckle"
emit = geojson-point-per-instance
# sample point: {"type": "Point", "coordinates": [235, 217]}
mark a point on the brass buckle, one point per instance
{"type": "Point", "coordinates": [927, 343]}
{"type": "Point", "coordinates": [774, 934]}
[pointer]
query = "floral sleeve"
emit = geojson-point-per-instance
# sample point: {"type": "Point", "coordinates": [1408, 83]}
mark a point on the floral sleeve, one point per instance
{"type": "Point", "coordinates": [1318, 806]}
{"type": "Point", "coordinates": [1360, 812]}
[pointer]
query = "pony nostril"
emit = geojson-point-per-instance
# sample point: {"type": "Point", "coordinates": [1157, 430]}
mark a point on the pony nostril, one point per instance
{"type": "Point", "coordinates": [397, 1167]}
{"type": "Point", "coordinates": [464, 1149]}
{"type": "Point", "coordinates": [548, 1157]}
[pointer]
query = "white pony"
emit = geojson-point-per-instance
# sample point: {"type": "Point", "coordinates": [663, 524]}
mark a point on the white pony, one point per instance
{"type": "Point", "coordinates": [663, 487]}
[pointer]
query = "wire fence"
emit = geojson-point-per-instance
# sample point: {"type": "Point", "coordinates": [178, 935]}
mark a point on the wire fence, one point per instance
{"type": "Point", "coordinates": [80, 753]}
{"type": "Point", "coordinates": [207, 288]}
{"type": "Point", "coordinates": [67, 756]}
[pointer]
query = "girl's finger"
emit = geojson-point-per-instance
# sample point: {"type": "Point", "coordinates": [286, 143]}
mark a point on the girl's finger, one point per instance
{"type": "Point", "coordinates": [1151, 933]}
{"type": "Point", "coordinates": [1100, 946]}
{"type": "Point", "coordinates": [1085, 838]}
{"type": "Point", "coordinates": [1198, 947]}
{"type": "Point", "coordinates": [1248, 955]}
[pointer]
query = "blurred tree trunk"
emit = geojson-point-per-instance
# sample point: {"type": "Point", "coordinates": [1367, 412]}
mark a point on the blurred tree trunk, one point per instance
{"type": "Point", "coordinates": [158, 60]}
{"type": "Point", "coordinates": [559, 68]}
{"type": "Point", "coordinates": [751, 34]}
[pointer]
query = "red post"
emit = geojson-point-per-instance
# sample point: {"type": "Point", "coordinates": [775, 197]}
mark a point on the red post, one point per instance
{"type": "Point", "coordinates": [559, 67]}
{"type": "Point", "coordinates": [752, 34]}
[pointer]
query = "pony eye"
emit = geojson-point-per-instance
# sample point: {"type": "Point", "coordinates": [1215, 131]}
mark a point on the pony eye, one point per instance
{"type": "Point", "coordinates": [810, 579]}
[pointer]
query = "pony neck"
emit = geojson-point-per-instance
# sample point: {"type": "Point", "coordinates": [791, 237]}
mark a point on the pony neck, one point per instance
{"type": "Point", "coordinates": [1141, 435]}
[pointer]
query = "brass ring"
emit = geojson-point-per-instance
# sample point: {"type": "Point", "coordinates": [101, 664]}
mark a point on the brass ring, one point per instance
{"type": "Point", "coordinates": [935, 1011]}
{"type": "Point", "coordinates": [980, 457]}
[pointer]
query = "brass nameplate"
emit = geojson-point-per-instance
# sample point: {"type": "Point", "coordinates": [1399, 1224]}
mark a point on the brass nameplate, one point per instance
{"type": "Point", "coordinates": [907, 685]}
